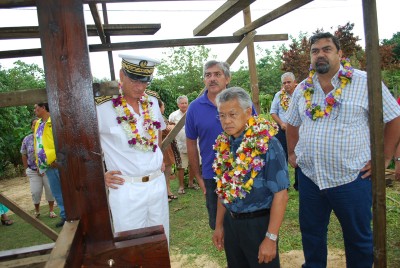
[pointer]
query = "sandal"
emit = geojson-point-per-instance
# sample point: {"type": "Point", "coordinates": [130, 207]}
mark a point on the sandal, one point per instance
{"type": "Point", "coordinates": [7, 222]}
{"type": "Point", "coordinates": [36, 214]}
{"type": "Point", "coordinates": [52, 215]}
{"type": "Point", "coordinates": [172, 197]}
{"type": "Point", "coordinates": [193, 187]}
{"type": "Point", "coordinates": [181, 191]}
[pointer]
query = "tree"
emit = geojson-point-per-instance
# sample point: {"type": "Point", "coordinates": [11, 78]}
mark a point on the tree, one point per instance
{"type": "Point", "coordinates": [395, 42]}
{"type": "Point", "coordinates": [296, 59]}
{"type": "Point", "coordinates": [180, 73]}
{"type": "Point", "coordinates": [15, 121]}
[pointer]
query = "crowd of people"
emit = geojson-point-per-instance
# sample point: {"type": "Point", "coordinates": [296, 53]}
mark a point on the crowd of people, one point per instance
{"type": "Point", "coordinates": [239, 159]}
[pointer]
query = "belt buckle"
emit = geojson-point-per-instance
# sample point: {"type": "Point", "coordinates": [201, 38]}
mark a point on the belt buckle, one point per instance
{"type": "Point", "coordinates": [145, 178]}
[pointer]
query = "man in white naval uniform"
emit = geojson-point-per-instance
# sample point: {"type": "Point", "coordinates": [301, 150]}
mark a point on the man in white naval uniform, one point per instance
{"type": "Point", "coordinates": [130, 127]}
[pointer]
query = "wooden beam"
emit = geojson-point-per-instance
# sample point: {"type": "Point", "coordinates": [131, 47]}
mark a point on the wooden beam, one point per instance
{"type": "Point", "coordinates": [62, 248]}
{"type": "Point", "coordinates": [182, 42]}
{"type": "Point", "coordinates": [241, 46]}
{"type": "Point", "coordinates": [43, 228]}
{"type": "Point", "coordinates": [108, 40]}
{"type": "Point", "coordinates": [152, 44]}
{"type": "Point", "coordinates": [97, 22]}
{"type": "Point", "coordinates": [251, 59]}
{"type": "Point", "coordinates": [74, 120]}
{"type": "Point", "coordinates": [26, 32]}
{"type": "Point", "coordinates": [376, 127]}
{"type": "Point", "coordinates": [34, 261]}
{"type": "Point", "coordinates": [19, 253]}
{"type": "Point", "coordinates": [279, 12]}
{"type": "Point", "coordinates": [16, 3]}
{"type": "Point", "coordinates": [229, 9]}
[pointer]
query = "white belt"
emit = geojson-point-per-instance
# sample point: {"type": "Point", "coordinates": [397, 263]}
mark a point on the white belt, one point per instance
{"type": "Point", "coordinates": [141, 179]}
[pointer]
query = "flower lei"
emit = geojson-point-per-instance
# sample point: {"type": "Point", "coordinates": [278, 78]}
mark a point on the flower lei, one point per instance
{"type": "Point", "coordinates": [313, 110]}
{"type": "Point", "coordinates": [230, 173]}
{"type": "Point", "coordinates": [128, 123]}
{"type": "Point", "coordinates": [284, 99]}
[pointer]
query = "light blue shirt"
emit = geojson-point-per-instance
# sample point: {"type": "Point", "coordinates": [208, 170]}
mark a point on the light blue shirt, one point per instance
{"type": "Point", "coordinates": [276, 107]}
{"type": "Point", "coordinates": [332, 150]}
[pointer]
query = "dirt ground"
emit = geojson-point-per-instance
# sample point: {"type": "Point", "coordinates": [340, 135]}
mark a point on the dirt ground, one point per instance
{"type": "Point", "coordinates": [18, 191]}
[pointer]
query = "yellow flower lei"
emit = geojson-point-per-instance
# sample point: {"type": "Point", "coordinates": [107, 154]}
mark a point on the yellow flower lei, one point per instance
{"type": "Point", "coordinates": [128, 123]}
{"type": "Point", "coordinates": [313, 110]}
{"type": "Point", "coordinates": [230, 172]}
{"type": "Point", "coordinates": [284, 99]}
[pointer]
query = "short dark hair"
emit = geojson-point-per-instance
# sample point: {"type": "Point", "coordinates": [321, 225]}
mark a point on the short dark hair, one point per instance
{"type": "Point", "coordinates": [45, 105]}
{"type": "Point", "coordinates": [319, 36]}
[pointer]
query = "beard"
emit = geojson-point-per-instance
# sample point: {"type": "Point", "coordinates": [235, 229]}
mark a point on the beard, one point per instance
{"type": "Point", "coordinates": [322, 66]}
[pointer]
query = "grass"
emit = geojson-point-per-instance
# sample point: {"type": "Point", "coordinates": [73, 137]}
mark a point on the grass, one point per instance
{"type": "Point", "coordinates": [191, 236]}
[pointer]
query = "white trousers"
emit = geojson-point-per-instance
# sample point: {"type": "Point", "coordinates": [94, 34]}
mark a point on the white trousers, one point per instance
{"type": "Point", "coordinates": [140, 204]}
{"type": "Point", "coordinates": [37, 183]}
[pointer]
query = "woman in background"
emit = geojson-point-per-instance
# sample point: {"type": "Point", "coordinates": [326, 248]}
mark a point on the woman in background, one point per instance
{"type": "Point", "coordinates": [37, 181]}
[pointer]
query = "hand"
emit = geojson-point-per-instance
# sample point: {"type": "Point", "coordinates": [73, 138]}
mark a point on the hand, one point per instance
{"type": "Point", "coordinates": [283, 126]}
{"type": "Point", "coordinates": [267, 251]}
{"type": "Point", "coordinates": [112, 180]}
{"type": "Point", "coordinates": [218, 238]}
{"type": "Point", "coordinates": [163, 167]}
{"type": "Point", "coordinates": [54, 165]}
{"type": "Point", "coordinates": [292, 160]}
{"type": "Point", "coordinates": [368, 170]}
{"type": "Point", "coordinates": [397, 170]}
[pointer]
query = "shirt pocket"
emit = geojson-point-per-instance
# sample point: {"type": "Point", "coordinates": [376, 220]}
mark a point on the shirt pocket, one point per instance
{"type": "Point", "coordinates": [119, 138]}
{"type": "Point", "coordinates": [349, 112]}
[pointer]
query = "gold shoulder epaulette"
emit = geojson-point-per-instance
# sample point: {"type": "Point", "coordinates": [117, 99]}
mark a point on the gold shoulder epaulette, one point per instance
{"type": "Point", "coordinates": [152, 93]}
{"type": "Point", "coordinates": [102, 99]}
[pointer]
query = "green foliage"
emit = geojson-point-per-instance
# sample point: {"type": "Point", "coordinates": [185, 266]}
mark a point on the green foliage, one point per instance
{"type": "Point", "coordinates": [395, 41]}
{"type": "Point", "coordinates": [15, 121]}
{"type": "Point", "coordinates": [180, 73]}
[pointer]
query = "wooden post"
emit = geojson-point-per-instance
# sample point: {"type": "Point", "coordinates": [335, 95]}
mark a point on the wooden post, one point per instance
{"type": "Point", "coordinates": [376, 132]}
{"type": "Point", "coordinates": [252, 64]}
{"type": "Point", "coordinates": [72, 108]}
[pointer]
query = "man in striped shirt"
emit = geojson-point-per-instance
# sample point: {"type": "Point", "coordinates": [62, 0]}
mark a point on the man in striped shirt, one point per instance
{"type": "Point", "coordinates": [328, 138]}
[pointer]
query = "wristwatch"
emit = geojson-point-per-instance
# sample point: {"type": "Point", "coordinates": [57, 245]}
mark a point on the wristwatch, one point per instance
{"type": "Point", "coordinates": [273, 237]}
{"type": "Point", "coordinates": [397, 158]}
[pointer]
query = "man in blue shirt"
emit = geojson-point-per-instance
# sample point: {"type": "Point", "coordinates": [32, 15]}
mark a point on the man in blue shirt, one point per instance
{"type": "Point", "coordinates": [252, 181]}
{"type": "Point", "coordinates": [202, 124]}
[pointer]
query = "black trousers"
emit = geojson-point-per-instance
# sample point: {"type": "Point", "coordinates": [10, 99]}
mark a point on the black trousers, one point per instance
{"type": "Point", "coordinates": [242, 239]}
{"type": "Point", "coordinates": [281, 136]}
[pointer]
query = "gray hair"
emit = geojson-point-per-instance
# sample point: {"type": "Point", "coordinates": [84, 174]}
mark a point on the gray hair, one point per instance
{"type": "Point", "coordinates": [220, 64]}
{"type": "Point", "coordinates": [181, 97]}
{"type": "Point", "coordinates": [235, 93]}
{"type": "Point", "coordinates": [288, 74]}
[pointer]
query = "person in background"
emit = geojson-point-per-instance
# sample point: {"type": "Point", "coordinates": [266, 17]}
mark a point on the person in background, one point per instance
{"type": "Point", "coordinates": [171, 153]}
{"type": "Point", "coordinates": [130, 126]}
{"type": "Point", "coordinates": [174, 117]}
{"type": "Point", "coordinates": [252, 180]}
{"type": "Point", "coordinates": [37, 181]}
{"type": "Point", "coordinates": [329, 139]}
{"type": "Point", "coordinates": [279, 107]}
{"type": "Point", "coordinates": [202, 127]}
{"type": "Point", "coordinates": [45, 155]}
{"type": "Point", "coordinates": [5, 220]}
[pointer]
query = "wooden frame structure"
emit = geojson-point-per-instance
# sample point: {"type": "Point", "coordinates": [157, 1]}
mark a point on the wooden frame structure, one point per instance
{"type": "Point", "coordinates": [87, 239]}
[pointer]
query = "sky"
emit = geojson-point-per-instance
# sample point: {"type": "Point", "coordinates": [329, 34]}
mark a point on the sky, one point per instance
{"type": "Point", "coordinates": [179, 18]}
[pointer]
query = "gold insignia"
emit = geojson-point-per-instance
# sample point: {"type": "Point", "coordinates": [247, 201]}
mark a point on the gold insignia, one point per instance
{"type": "Point", "coordinates": [143, 63]}
{"type": "Point", "coordinates": [102, 99]}
{"type": "Point", "coordinates": [152, 93]}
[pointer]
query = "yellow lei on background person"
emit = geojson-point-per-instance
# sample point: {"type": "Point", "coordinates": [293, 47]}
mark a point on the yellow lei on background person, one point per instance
{"type": "Point", "coordinates": [230, 173]}
{"type": "Point", "coordinates": [284, 96]}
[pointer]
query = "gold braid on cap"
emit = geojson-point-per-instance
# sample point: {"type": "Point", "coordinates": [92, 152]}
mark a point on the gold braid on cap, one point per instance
{"type": "Point", "coordinates": [142, 69]}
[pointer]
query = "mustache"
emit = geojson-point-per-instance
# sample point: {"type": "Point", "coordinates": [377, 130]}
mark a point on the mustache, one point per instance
{"type": "Point", "coordinates": [213, 84]}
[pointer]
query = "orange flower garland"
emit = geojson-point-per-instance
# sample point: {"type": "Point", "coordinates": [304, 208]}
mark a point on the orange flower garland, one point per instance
{"type": "Point", "coordinates": [230, 172]}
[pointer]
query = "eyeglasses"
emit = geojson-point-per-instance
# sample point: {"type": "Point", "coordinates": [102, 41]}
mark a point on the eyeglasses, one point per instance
{"type": "Point", "coordinates": [223, 117]}
{"type": "Point", "coordinates": [136, 82]}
